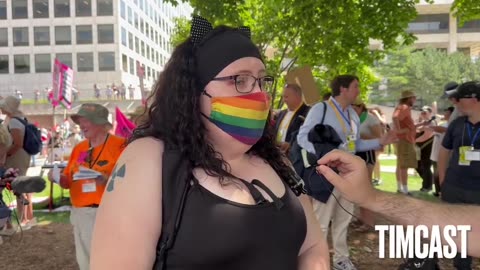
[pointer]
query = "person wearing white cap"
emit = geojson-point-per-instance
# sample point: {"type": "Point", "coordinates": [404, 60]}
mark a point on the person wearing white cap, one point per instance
{"type": "Point", "coordinates": [17, 157]}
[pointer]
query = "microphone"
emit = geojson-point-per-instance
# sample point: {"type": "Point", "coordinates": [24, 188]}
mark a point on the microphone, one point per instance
{"type": "Point", "coordinates": [431, 119]}
{"type": "Point", "coordinates": [28, 184]}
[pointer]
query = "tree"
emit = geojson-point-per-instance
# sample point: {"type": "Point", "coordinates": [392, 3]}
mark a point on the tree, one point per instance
{"type": "Point", "coordinates": [466, 10]}
{"type": "Point", "coordinates": [332, 36]}
{"type": "Point", "coordinates": [424, 71]}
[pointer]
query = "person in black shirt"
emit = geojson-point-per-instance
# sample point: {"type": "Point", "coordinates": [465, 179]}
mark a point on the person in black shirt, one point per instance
{"type": "Point", "coordinates": [459, 179]}
{"type": "Point", "coordinates": [210, 105]}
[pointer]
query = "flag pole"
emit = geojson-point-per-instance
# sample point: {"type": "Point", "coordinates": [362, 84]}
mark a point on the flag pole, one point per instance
{"type": "Point", "coordinates": [52, 157]}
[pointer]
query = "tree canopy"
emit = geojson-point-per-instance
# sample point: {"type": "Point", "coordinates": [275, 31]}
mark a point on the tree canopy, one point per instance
{"type": "Point", "coordinates": [333, 37]}
{"type": "Point", "coordinates": [424, 71]}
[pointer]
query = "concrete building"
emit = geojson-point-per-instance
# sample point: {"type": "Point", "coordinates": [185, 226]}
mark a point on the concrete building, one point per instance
{"type": "Point", "coordinates": [104, 41]}
{"type": "Point", "coordinates": [435, 26]}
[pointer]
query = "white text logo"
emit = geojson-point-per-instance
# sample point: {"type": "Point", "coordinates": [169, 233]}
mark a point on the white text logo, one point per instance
{"type": "Point", "coordinates": [423, 242]}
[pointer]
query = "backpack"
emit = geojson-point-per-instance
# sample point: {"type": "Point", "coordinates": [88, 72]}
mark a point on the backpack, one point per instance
{"type": "Point", "coordinates": [316, 185]}
{"type": "Point", "coordinates": [32, 141]}
{"type": "Point", "coordinates": [176, 184]}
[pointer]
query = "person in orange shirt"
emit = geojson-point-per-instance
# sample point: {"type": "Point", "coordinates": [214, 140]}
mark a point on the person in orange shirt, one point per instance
{"type": "Point", "coordinates": [99, 152]}
{"type": "Point", "coordinates": [406, 131]}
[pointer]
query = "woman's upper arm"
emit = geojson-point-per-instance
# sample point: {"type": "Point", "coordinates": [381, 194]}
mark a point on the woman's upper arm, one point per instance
{"type": "Point", "coordinates": [314, 233]}
{"type": "Point", "coordinates": [129, 220]}
{"type": "Point", "coordinates": [314, 253]}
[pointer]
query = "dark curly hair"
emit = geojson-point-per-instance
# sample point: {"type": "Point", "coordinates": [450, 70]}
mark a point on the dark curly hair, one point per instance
{"type": "Point", "coordinates": [174, 117]}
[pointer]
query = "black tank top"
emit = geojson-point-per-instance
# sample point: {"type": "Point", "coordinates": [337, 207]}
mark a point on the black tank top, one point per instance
{"type": "Point", "coordinates": [218, 234]}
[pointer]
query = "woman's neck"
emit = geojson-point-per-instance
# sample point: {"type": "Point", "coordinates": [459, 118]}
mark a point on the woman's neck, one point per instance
{"type": "Point", "coordinates": [98, 139]}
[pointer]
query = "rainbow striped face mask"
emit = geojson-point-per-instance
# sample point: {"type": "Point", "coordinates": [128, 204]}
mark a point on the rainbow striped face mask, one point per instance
{"type": "Point", "coordinates": [242, 117]}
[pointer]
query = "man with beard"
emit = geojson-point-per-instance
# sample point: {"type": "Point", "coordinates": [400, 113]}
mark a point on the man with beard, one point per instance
{"type": "Point", "coordinates": [406, 130]}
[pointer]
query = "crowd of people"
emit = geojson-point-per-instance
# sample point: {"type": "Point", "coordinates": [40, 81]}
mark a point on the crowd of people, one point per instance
{"type": "Point", "coordinates": [227, 183]}
{"type": "Point", "coordinates": [113, 92]}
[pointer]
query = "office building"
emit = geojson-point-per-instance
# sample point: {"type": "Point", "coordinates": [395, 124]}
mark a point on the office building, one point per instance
{"type": "Point", "coordinates": [437, 27]}
{"type": "Point", "coordinates": [102, 40]}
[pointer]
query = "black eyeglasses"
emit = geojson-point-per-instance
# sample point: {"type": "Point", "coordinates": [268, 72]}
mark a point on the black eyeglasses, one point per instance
{"type": "Point", "coordinates": [246, 83]}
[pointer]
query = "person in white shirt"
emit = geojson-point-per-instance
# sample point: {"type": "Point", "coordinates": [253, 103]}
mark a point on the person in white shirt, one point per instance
{"type": "Point", "coordinates": [345, 121]}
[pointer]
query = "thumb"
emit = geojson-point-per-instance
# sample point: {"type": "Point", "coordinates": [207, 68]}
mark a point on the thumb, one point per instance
{"type": "Point", "coordinates": [331, 176]}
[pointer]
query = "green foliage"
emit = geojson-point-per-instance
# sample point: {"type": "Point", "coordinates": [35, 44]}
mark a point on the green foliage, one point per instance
{"type": "Point", "coordinates": [331, 36]}
{"type": "Point", "coordinates": [181, 31]}
{"type": "Point", "coordinates": [466, 10]}
{"type": "Point", "coordinates": [424, 71]}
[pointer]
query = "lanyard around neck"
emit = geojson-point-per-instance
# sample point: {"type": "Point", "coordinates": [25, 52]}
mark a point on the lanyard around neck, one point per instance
{"type": "Point", "coordinates": [470, 131]}
{"type": "Point", "coordinates": [90, 153]}
{"type": "Point", "coordinates": [342, 118]}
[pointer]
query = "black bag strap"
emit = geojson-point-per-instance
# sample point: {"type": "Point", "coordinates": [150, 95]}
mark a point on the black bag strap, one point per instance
{"type": "Point", "coordinates": [176, 183]}
{"type": "Point", "coordinates": [324, 112]}
{"type": "Point", "coordinates": [24, 121]}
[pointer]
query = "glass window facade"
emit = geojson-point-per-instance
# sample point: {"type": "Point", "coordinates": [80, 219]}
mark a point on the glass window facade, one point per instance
{"type": "Point", "coordinates": [105, 33]}
{"type": "Point", "coordinates": [19, 9]}
{"type": "Point", "coordinates": [3, 9]}
{"type": "Point", "coordinates": [83, 8]}
{"type": "Point", "coordinates": [85, 61]}
{"type": "Point", "coordinates": [41, 35]}
{"type": "Point", "coordinates": [84, 34]}
{"type": "Point", "coordinates": [40, 8]}
{"type": "Point", "coordinates": [104, 7]}
{"type": "Point", "coordinates": [61, 8]}
{"type": "Point", "coordinates": [3, 37]}
{"type": "Point", "coordinates": [20, 36]}
{"type": "Point", "coordinates": [65, 58]}
{"type": "Point", "coordinates": [4, 69]}
{"type": "Point", "coordinates": [21, 63]}
{"type": "Point", "coordinates": [43, 63]}
{"type": "Point", "coordinates": [106, 61]}
{"type": "Point", "coordinates": [63, 35]}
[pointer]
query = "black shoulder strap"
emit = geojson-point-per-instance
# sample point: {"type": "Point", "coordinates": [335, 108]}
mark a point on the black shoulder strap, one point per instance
{"type": "Point", "coordinates": [176, 177]}
{"type": "Point", "coordinates": [23, 121]}
{"type": "Point", "coordinates": [324, 111]}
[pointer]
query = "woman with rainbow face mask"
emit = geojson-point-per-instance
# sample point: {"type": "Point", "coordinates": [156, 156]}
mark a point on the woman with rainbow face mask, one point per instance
{"type": "Point", "coordinates": [211, 105]}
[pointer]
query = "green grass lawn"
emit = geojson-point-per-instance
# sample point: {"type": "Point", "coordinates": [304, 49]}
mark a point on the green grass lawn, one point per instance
{"type": "Point", "coordinates": [389, 184]}
{"type": "Point", "coordinates": [388, 162]}
{"type": "Point", "coordinates": [46, 217]}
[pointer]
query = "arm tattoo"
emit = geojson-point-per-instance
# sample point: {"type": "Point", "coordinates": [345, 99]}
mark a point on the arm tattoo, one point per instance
{"type": "Point", "coordinates": [118, 172]}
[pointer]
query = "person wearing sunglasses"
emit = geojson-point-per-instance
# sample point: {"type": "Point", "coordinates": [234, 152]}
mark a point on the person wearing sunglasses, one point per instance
{"type": "Point", "coordinates": [98, 152]}
{"type": "Point", "coordinates": [242, 209]}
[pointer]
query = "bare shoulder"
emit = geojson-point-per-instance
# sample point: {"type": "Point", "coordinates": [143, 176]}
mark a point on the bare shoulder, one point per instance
{"type": "Point", "coordinates": [150, 147]}
{"type": "Point", "coordinates": [135, 184]}
{"type": "Point", "coordinates": [142, 157]}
